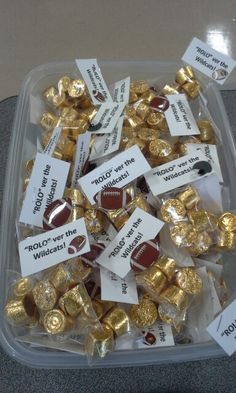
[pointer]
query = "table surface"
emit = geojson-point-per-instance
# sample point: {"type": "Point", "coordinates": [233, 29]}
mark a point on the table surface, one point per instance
{"type": "Point", "coordinates": [213, 375]}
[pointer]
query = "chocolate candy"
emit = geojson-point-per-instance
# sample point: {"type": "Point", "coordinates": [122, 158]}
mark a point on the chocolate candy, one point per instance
{"type": "Point", "coordinates": [189, 197]}
{"type": "Point", "coordinates": [142, 109]}
{"type": "Point", "coordinates": [60, 278]}
{"type": "Point", "coordinates": [185, 74]}
{"type": "Point", "coordinates": [175, 296]}
{"type": "Point", "coordinates": [226, 240]}
{"type": "Point", "coordinates": [153, 280]}
{"type": "Point", "coordinates": [118, 217]}
{"type": "Point", "coordinates": [170, 89]}
{"type": "Point", "coordinates": [144, 255]}
{"type": "Point", "coordinates": [22, 287]}
{"type": "Point", "coordinates": [100, 341]}
{"type": "Point", "coordinates": [148, 95]}
{"type": "Point", "coordinates": [63, 84]}
{"type": "Point", "coordinates": [136, 141]}
{"type": "Point", "coordinates": [183, 234]}
{"type": "Point", "coordinates": [118, 321]}
{"type": "Point", "coordinates": [160, 148]}
{"type": "Point", "coordinates": [75, 195]}
{"type": "Point", "coordinates": [94, 220]}
{"type": "Point", "coordinates": [167, 265]}
{"type": "Point", "coordinates": [173, 210]}
{"type": "Point", "coordinates": [199, 219]}
{"type": "Point", "coordinates": [112, 198]}
{"type": "Point", "coordinates": [71, 302]}
{"type": "Point", "coordinates": [55, 321]}
{"type": "Point", "coordinates": [21, 312]}
{"type": "Point", "coordinates": [206, 130]}
{"type": "Point", "coordinates": [201, 244]}
{"type": "Point", "coordinates": [144, 314]}
{"type": "Point", "coordinates": [157, 121]}
{"type": "Point", "coordinates": [147, 134]}
{"type": "Point", "coordinates": [189, 281]}
{"type": "Point", "coordinates": [227, 222]}
{"type": "Point", "coordinates": [57, 213]}
{"type": "Point", "coordinates": [139, 87]}
{"type": "Point", "coordinates": [45, 295]}
{"type": "Point", "coordinates": [76, 88]}
{"type": "Point", "coordinates": [48, 121]}
{"type": "Point", "coordinates": [171, 315]}
{"type": "Point", "coordinates": [192, 89]}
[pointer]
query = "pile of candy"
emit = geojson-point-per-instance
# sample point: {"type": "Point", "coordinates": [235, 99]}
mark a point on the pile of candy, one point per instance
{"type": "Point", "coordinates": [65, 300]}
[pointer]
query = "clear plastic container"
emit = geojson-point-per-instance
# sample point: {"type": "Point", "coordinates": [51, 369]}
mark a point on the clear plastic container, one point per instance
{"type": "Point", "coordinates": [23, 147]}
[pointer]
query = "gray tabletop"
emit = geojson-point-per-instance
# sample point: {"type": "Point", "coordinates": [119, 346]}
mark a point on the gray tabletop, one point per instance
{"type": "Point", "coordinates": [213, 375]}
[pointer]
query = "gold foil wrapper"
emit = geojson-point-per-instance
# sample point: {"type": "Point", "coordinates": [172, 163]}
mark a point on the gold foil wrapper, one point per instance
{"type": "Point", "coordinates": [173, 210]}
{"type": "Point", "coordinates": [60, 278]}
{"type": "Point", "coordinates": [75, 195]}
{"type": "Point", "coordinates": [133, 97]}
{"type": "Point", "coordinates": [199, 219]}
{"type": "Point", "coordinates": [63, 84]}
{"type": "Point", "coordinates": [76, 213]}
{"type": "Point", "coordinates": [48, 121]}
{"type": "Point", "coordinates": [192, 89]}
{"type": "Point", "coordinates": [206, 130]}
{"type": "Point", "coordinates": [157, 121]}
{"type": "Point", "coordinates": [167, 265]}
{"type": "Point", "coordinates": [160, 148]}
{"type": "Point", "coordinates": [227, 222]}
{"type": "Point", "coordinates": [153, 280]}
{"type": "Point", "coordinates": [189, 281]}
{"type": "Point", "coordinates": [82, 271]}
{"type": "Point", "coordinates": [21, 312]}
{"type": "Point", "coordinates": [175, 296]}
{"type": "Point", "coordinates": [185, 74]}
{"type": "Point", "coordinates": [94, 220]}
{"type": "Point", "coordinates": [139, 87]}
{"type": "Point", "coordinates": [22, 287]}
{"type": "Point", "coordinates": [189, 197]}
{"type": "Point", "coordinates": [147, 134]}
{"type": "Point", "coordinates": [55, 321]}
{"type": "Point", "coordinates": [169, 314]}
{"type": "Point", "coordinates": [118, 321]}
{"type": "Point", "coordinates": [201, 244]}
{"type": "Point", "coordinates": [29, 166]}
{"type": "Point", "coordinates": [134, 121]}
{"type": "Point", "coordinates": [226, 240]}
{"type": "Point", "coordinates": [118, 217]}
{"type": "Point", "coordinates": [136, 141]}
{"type": "Point", "coordinates": [100, 341]}
{"type": "Point", "coordinates": [98, 309]}
{"type": "Point", "coordinates": [88, 113]}
{"type": "Point", "coordinates": [45, 295]}
{"type": "Point", "coordinates": [74, 301]}
{"type": "Point", "coordinates": [148, 95]}
{"type": "Point", "coordinates": [68, 114]}
{"type": "Point", "coordinates": [171, 89]}
{"type": "Point", "coordinates": [76, 88]}
{"type": "Point", "coordinates": [142, 109]}
{"type": "Point", "coordinates": [183, 234]}
{"type": "Point", "coordinates": [144, 314]}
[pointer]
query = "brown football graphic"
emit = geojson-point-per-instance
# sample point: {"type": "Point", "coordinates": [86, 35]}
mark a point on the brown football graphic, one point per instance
{"type": "Point", "coordinates": [159, 103]}
{"type": "Point", "coordinates": [98, 95]}
{"type": "Point", "coordinates": [112, 198]}
{"type": "Point", "coordinates": [144, 255]}
{"type": "Point", "coordinates": [89, 258]}
{"type": "Point", "coordinates": [149, 339]}
{"type": "Point", "coordinates": [57, 213]}
{"type": "Point", "coordinates": [76, 244]}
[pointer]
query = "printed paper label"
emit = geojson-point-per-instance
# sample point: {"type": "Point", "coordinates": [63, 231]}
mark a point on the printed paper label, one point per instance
{"type": "Point", "coordinates": [50, 248]}
{"type": "Point", "coordinates": [140, 227]}
{"type": "Point", "coordinates": [120, 91]}
{"type": "Point", "coordinates": [117, 172]}
{"type": "Point", "coordinates": [107, 144]}
{"type": "Point", "coordinates": [176, 173]}
{"type": "Point", "coordinates": [210, 153]}
{"type": "Point", "coordinates": [49, 149]}
{"type": "Point", "coordinates": [117, 289]}
{"type": "Point", "coordinates": [223, 329]}
{"type": "Point", "coordinates": [82, 153]}
{"type": "Point", "coordinates": [179, 116]}
{"type": "Point", "coordinates": [106, 235]}
{"type": "Point", "coordinates": [106, 118]}
{"type": "Point", "coordinates": [207, 60]}
{"type": "Point", "coordinates": [94, 80]}
{"type": "Point", "coordinates": [158, 335]}
{"type": "Point", "coordinates": [47, 183]}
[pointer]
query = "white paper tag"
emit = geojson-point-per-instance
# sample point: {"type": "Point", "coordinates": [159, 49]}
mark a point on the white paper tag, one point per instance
{"type": "Point", "coordinates": [50, 248]}
{"type": "Point", "coordinates": [210, 153]}
{"type": "Point", "coordinates": [47, 183]}
{"type": "Point", "coordinates": [117, 172]}
{"type": "Point", "coordinates": [106, 235]}
{"type": "Point", "coordinates": [116, 289]}
{"type": "Point", "coordinates": [210, 193]}
{"type": "Point", "coordinates": [175, 173]}
{"type": "Point", "coordinates": [223, 329]}
{"type": "Point", "coordinates": [49, 149]}
{"type": "Point", "coordinates": [94, 80]}
{"type": "Point", "coordinates": [158, 335]}
{"type": "Point", "coordinates": [179, 116]}
{"type": "Point", "coordinates": [120, 91]}
{"type": "Point", "coordinates": [141, 226]}
{"type": "Point", "coordinates": [207, 60]}
{"type": "Point", "coordinates": [106, 118]}
{"type": "Point", "coordinates": [107, 144]}
{"type": "Point", "coordinates": [82, 153]}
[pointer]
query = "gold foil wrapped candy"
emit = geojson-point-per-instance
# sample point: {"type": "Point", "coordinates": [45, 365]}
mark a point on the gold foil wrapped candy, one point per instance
{"type": "Point", "coordinates": [157, 121]}
{"type": "Point", "coordinates": [48, 121]}
{"type": "Point", "coordinates": [139, 87]}
{"type": "Point", "coordinates": [22, 287]}
{"type": "Point", "coordinates": [226, 240]}
{"type": "Point", "coordinates": [21, 312]}
{"type": "Point", "coordinates": [201, 244]}
{"type": "Point", "coordinates": [45, 295]}
{"type": "Point", "coordinates": [206, 130]}
{"type": "Point", "coordinates": [173, 88]}
{"type": "Point", "coordinates": [147, 134]}
{"type": "Point", "coordinates": [118, 321]}
{"type": "Point", "coordinates": [167, 265]}
{"type": "Point", "coordinates": [94, 220]}
{"type": "Point", "coordinates": [189, 197]}
{"type": "Point", "coordinates": [171, 315]}
{"type": "Point", "coordinates": [144, 314]}
{"type": "Point", "coordinates": [175, 296]}
{"type": "Point", "coordinates": [160, 148]}
{"type": "Point", "coordinates": [189, 281]}
{"type": "Point", "coordinates": [55, 321]}
{"type": "Point", "coordinates": [183, 234]}
{"type": "Point", "coordinates": [76, 88]}
{"type": "Point", "coordinates": [153, 280]}
{"type": "Point", "coordinates": [100, 341]}
{"type": "Point", "coordinates": [199, 219]}
{"type": "Point", "coordinates": [227, 222]}
{"type": "Point", "coordinates": [186, 78]}
{"type": "Point", "coordinates": [74, 300]}
{"type": "Point", "coordinates": [173, 210]}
